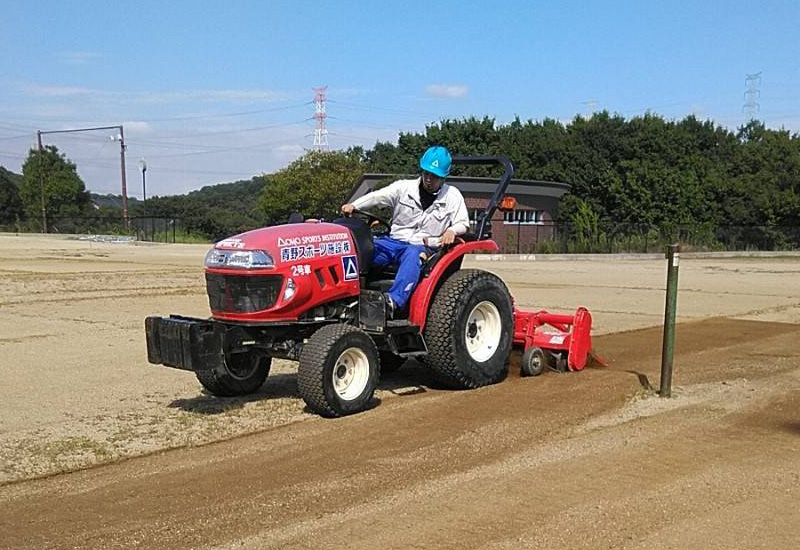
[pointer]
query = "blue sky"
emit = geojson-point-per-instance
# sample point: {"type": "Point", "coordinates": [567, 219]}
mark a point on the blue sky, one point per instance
{"type": "Point", "coordinates": [217, 91]}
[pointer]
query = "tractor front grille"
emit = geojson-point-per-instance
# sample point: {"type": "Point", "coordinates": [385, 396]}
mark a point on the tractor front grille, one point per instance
{"type": "Point", "coordinates": [242, 293]}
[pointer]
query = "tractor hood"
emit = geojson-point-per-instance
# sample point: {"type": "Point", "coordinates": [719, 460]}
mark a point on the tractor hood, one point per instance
{"type": "Point", "coordinates": [289, 243]}
{"type": "Point", "coordinates": [281, 273]}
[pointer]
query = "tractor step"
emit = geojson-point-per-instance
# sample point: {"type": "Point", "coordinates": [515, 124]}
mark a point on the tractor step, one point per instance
{"type": "Point", "coordinates": [404, 339]}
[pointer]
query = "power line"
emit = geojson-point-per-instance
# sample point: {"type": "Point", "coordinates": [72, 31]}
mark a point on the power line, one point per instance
{"type": "Point", "coordinates": [222, 150]}
{"type": "Point", "coordinates": [16, 127]}
{"type": "Point", "coordinates": [366, 124]}
{"type": "Point", "coordinates": [102, 164]}
{"type": "Point", "coordinates": [388, 110]}
{"type": "Point", "coordinates": [355, 138]}
{"type": "Point", "coordinates": [17, 136]}
{"type": "Point", "coordinates": [226, 115]}
{"type": "Point", "coordinates": [240, 131]}
{"type": "Point", "coordinates": [165, 119]}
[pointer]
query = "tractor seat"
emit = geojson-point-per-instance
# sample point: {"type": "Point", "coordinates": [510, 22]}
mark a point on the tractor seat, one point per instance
{"type": "Point", "coordinates": [382, 279]}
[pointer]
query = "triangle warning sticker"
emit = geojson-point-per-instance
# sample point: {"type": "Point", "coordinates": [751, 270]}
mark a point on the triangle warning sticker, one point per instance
{"type": "Point", "coordinates": [350, 267]}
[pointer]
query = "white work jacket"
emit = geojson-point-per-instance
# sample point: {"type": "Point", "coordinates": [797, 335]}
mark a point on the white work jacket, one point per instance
{"type": "Point", "coordinates": [412, 224]}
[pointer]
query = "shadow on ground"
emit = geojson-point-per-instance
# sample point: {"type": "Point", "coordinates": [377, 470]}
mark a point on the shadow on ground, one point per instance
{"type": "Point", "coordinates": [793, 427]}
{"type": "Point", "coordinates": [277, 386]}
{"type": "Point", "coordinates": [411, 379]}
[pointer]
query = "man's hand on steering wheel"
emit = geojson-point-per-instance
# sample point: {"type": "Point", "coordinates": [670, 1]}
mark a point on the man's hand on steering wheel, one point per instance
{"type": "Point", "coordinates": [371, 219]}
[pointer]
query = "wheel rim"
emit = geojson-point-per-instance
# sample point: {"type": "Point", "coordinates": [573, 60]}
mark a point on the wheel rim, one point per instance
{"type": "Point", "coordinates": [350, 374]}
{"type": "Point", "coordinates": [536, 362]}
{"type": "Point", "coordinates": [241, 366]}
{"type": "Point", "coordinates": [483, 331]}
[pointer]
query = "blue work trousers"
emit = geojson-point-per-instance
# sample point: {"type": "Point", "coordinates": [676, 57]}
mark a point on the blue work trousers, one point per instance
{"type": "Point", "coordinates": [405, 256]}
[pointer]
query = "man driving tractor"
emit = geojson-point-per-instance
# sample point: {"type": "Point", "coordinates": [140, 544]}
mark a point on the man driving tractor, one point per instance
{"type": "Point", "coordinates": [426, 214]}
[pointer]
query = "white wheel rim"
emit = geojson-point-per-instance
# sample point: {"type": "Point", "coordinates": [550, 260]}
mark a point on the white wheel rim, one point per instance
{"type": "Point", "coordinates": [483, 331]}
{"type": "Point", "coordinates": [350, 374]}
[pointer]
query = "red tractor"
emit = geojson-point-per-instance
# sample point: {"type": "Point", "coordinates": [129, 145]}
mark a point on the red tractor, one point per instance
{"type": "Point", "coordinates": [307, 292]}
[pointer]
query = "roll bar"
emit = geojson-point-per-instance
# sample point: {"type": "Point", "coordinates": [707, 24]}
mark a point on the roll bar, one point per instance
{"type": "Point", "coordinates": [502, 185]}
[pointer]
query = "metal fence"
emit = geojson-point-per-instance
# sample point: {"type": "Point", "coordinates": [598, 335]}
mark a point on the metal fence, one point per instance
{"type": "Point", "coordinates": [607, 237]}
{"type": "Point", "coordinates": [142, 228]}
{"type": "Point", "coordinates": [513, 238]}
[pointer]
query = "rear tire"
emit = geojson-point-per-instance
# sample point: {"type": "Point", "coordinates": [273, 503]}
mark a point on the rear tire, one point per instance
{"type": "Point", "coordinates": [339, 371]}
{"type": "Point", "coordinates": [468, 331]}
{"type": "Point", "coordinates": [241, 374]}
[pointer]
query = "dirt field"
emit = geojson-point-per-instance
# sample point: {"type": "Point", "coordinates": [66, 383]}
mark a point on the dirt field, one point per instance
{"type": "Point", "coordinates": [583, 460]}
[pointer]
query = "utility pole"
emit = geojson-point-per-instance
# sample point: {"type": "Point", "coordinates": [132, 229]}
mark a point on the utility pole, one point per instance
{"type": "Point", "coordinates": [41, 180]}
{"type": "Point", "coordinates": [143, 168]}
{"type": "Point", "coordinates": [121, 139]}
{"type": "Point", "coordinates": [320, 114]}
{"type": "Point", "coordinates": [123, 179]}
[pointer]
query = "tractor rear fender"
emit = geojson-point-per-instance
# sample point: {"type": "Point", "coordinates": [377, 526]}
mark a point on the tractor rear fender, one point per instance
{"type": "Point", "coordinates": [450, 262]}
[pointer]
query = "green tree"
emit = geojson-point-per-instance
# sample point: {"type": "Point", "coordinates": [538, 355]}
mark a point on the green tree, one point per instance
{"type": "Point", "coordinates": [315, 185]}
{"type": "Point", "coordinates": [64, 191]}
{"type": "Point", "coordinates": [11, 208]}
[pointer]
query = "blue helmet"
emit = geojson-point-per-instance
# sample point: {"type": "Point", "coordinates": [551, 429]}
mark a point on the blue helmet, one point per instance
{"type": "Point", "coordinates": [436, 160]}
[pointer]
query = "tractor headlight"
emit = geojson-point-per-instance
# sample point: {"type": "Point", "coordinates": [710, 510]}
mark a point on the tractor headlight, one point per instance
{"type": "Point", "coordinates": [243, 259]}
{"type": "Point", "coordinates": [288, 292]}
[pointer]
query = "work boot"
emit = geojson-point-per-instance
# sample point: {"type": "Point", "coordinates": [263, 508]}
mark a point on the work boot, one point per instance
{"type": "Point", "coordinates": [390, 307]}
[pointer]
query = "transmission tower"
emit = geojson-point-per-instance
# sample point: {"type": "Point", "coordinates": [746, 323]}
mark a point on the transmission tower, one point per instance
{"type": "Point", "coordinates": [751, 106]}
{"type": "Point", "coordinates": [321, 132]}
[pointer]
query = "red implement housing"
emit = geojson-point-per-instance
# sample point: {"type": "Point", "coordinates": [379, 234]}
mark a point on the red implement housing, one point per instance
{"type": "Point", "coordinates": [556, 333]}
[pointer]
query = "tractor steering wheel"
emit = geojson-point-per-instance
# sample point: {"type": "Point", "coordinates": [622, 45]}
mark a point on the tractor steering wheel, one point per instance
{"type": "Point", "coordinates": [372, 221]}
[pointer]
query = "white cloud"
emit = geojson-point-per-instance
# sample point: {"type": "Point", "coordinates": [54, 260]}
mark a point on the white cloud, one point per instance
{"type": "Point", "coordinates": [447, 90]}
{"type": "Point", "coordinates": [210, 95]}
{"type": "Point", "coordinates": [348, 92]}
{"type": "Point", "coordinates": [56, 91]}
{"type": "Point", "coordinates": [78, 58]}
{"type": "Point", "coordinates": [157, 97]}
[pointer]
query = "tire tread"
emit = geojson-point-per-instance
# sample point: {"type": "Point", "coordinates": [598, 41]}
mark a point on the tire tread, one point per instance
{"type": "Point", "coordinates": [454, 293]}
{"type": "Point", "coordinates": [219, 383]}
{"type": "Point", "coordinates": [310, 374]}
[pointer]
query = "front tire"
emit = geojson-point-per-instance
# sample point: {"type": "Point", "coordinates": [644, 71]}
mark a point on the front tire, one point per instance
{"type": "Point", "coordinates": [240, 374]}
{"type": "Point", "coordinates": [339, 371]}
{"type": "Point", "coordinates": [468, 331]}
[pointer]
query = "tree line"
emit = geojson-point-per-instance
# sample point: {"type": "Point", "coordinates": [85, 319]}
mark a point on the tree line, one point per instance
{"type": "Point", "coordinates": [645, 170]}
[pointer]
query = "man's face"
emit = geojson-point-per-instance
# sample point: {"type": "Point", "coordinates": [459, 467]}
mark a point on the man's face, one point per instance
{"type": "Point", "coordinates": [431, 182]}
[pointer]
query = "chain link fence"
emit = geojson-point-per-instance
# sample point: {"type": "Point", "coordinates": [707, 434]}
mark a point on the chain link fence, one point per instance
{"type": "Point", "coordinates": [606, 237]}
{"type": "Point", "coordinates": [141, 228]}
{"type": "Point", "coordinates": [512, 237]}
